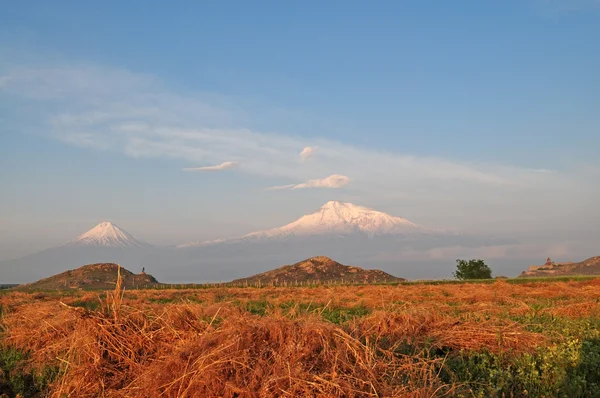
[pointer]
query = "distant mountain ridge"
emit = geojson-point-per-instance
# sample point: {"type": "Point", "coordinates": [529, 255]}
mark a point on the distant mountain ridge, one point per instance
{"type": "Point", "coordinates": [320, 269]}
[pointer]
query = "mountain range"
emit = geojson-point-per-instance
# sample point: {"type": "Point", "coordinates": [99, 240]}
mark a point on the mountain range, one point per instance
{"type": "Point", "coordinates": [351, 233]}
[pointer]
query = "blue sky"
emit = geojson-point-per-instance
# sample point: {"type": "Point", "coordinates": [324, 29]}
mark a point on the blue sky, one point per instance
{"type": "Point", "coordinates": [479, 116]}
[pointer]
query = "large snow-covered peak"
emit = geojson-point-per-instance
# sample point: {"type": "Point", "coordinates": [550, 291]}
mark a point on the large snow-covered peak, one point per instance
{"type": "Point", "coordinates": [343, 218]}
{"type": "Point", "coordinates": [333, 218]}
{"type": "Point", "coordinates": [107, 234]}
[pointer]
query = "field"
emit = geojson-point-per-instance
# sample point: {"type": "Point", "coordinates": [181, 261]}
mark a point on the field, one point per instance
{"type": "Point", "coordinates": [537, 338]}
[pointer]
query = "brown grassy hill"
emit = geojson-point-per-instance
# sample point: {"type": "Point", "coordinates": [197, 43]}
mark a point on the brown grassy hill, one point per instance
{"type": "Point", "coordinates": [591, 266]}
{"type": "Point", "coordinates": [92, 276]}
{"type": "Point", "coordinates": [322, 269]}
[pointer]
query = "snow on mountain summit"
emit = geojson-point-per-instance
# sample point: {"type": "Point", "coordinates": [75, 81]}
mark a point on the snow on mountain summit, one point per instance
{"type": "Point", "coordinates": [342, 218]}
{"type": "Point", "coordinates": [107, 234]}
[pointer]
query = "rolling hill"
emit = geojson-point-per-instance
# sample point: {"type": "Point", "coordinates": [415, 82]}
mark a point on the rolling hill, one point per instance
{"type": "Point", "coordinates": [92, 276]}
{"type": "Point", "coordinates": [321, 269]}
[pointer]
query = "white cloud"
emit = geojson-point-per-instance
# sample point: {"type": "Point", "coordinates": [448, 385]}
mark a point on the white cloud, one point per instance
{"type": "Point", "coordinates": [333, 181]}
{"type": "Point", "coordinates": [218, 167]}
{"type": "Point", "coordinates": [307, 153]}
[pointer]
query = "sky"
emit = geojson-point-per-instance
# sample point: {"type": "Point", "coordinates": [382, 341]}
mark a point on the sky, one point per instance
{"type": "Point", "coordinates": [204, 120]}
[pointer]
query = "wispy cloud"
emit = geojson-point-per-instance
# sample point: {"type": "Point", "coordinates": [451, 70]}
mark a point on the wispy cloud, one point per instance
{"type": "Point", "coordinates": [218, 167]}
{"type": "Point", "coordinates": [110, 109]}
{"type": "Point", "coordinates": [281, 187]}
{"type": "Point", "coordinates": [333, 181]}
{"type": "Point", "coordinates": [307, 153]}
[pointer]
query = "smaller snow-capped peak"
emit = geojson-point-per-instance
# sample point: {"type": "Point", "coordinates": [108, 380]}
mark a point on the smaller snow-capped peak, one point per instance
{"type": "Point", "coordinates": [107, 234]}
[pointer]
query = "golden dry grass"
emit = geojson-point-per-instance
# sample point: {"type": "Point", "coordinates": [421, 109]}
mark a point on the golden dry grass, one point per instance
{"type": "Point", "coordinates": [205, 342]}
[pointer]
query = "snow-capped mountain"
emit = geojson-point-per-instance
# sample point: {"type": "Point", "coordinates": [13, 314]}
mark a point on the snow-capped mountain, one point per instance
{"type": "Point", "coordinates": [107, 234]}
{"type": "Point", "coordinates": [333, 218]}
{"type": "Point", "coordinates": [342, 218]}
{"type": "Point", "coordinates": [105, 243]}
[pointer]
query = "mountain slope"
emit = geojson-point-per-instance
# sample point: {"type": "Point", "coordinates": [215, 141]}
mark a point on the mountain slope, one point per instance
{"type": "Point", "coordinates": [591, 266]}
{"type": "Point", "coordinates": [92, 276]}
{"type": "Point", "coordinates": [322, 269]}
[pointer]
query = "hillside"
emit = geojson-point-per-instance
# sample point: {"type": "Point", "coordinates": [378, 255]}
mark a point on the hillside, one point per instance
{"type": "Point", "coordinates": [591, 266]}
{"type": "Point", "coordinates": [322, 269]}
{"type": "Point", "coordinates": [92, 276]}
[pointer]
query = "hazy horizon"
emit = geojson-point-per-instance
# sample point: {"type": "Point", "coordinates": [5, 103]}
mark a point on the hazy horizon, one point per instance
{"type": "Point", "coordinates": [212, 121]}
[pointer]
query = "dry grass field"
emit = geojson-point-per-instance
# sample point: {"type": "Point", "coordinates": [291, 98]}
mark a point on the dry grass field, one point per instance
{"type": "Point", "coordinates": [537, 339]}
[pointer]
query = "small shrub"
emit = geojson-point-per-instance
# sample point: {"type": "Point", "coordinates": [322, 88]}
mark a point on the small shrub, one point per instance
{"type": "Point", "coordinates": [472, 269]}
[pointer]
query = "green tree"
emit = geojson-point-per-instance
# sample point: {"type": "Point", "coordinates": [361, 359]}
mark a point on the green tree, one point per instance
{"type": "Point", "coordinates": [472, 269]}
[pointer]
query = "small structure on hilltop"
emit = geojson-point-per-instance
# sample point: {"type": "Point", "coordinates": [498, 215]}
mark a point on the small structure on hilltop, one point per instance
{"type": "Point", "coordinates": [92, 276]}
{"type": "Point", "coordinates": [591, 266]}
